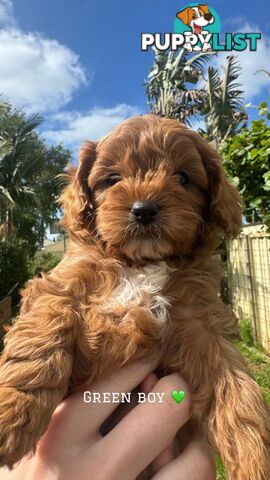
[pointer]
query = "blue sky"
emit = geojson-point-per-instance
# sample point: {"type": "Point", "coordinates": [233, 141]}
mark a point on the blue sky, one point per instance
{"type": "Point", "coordinates": [79, 62]}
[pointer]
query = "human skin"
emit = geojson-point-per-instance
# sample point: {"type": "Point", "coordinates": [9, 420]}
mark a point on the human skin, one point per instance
{"type": "Point", "coordinates": [73, 447]}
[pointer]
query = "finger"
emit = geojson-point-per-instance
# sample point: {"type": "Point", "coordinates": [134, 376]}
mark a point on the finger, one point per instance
{"type": "Point", "coordinates": [149, 382]}
{"type": "Point", "coordinates": [147, 430]}
{"type": "Point", "coordinates": [168, 454]}
{"type": "Point", "coordinates": [75, 420]}
{"type": "Point", "coordinates": [196, 462]}
{"type": "Point", "coordinates": [163, 458]}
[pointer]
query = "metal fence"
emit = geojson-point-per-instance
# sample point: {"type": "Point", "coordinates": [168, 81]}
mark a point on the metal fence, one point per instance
{"type": "Point", "coordinates": [249, 279]}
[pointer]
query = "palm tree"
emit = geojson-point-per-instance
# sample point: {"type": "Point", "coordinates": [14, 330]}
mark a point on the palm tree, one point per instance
{"type": "Point", "coordinates": [168, 84]}
{"type": "Point", "coordinates": [20, 161]}
{"type": "Point", "coordinates": [223, 107]}
{"type": "Point", "coordinates": [6, 201]}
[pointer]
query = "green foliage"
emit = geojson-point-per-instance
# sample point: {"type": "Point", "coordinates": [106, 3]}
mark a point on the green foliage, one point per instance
{"type": "Point", "coordinates": [246, 332]}
{"type": "Point", "coordinates": [223, 108]}
{"type": "Point", "coordinates": [14, 267]}
{"type": "Point", "coordinates": [221, 474]}
{"type": "Point", "coordinates": [28, 184]}
{"type": "Point", "coordinates": [259, 363]}
{"type": "Point", "coordinates": [247, 163]}
{"type": "Point", "coordinates": [224, 290]}
{"type": "Point", "coordinates": [44, 262]}
{"type": "Point", "coordinates": [28, 192]}
{"type": "Point", "coordinates": [262, 376]}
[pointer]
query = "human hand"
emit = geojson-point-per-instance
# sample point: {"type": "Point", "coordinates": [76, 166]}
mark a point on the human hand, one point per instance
{"type": "Point", "coordinates": [73, 447]}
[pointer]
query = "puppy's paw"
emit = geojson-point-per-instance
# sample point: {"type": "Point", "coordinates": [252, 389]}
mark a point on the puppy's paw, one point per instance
{"type": "Point", "coordinates": [188, 47]}
{"type": "Point", "coordinates": [206, 47]}
{"type": "Point", "coordinates": [20, 425]}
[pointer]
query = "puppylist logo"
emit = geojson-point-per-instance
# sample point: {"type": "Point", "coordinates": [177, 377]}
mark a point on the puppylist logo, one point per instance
{"type": "Point", "coordinates": [197, 28]}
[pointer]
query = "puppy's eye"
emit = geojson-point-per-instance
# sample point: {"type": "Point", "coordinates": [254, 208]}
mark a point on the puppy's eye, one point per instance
{"type": "Point", "coordinates": [183, 178]}
{"type": "Point", "coordinates": [194, 16]}
{"type": "Point", "coordinates": [111, 180]}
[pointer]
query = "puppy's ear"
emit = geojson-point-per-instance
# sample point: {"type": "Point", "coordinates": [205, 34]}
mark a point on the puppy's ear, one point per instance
{"type": "Point", "coordinates": [76, 198]}
{"type": "Point", "coordinates": [185, 15]}
{"type": "Point", "coordinates": [224, 209]}
{"type": "Point", "coordinates": [204, 8]}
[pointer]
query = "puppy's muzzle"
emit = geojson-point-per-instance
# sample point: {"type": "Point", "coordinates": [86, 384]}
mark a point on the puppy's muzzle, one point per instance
{"type": "Point", "coordinates": [208, 17]}
{"type": "Point", "coordinates": [145, 212]}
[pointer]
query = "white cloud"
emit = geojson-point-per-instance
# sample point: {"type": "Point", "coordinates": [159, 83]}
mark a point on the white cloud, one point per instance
{"type": "Point", "coordinates": [74, 128]}
{"type": "Point", "coordinates": [6, 13]}
{"type": "Point", "coordinates": [251, 62]}
{"type": "Point", "coordinates": [41, 75]}
{"type": "Point", "coordinates": [36, 73]}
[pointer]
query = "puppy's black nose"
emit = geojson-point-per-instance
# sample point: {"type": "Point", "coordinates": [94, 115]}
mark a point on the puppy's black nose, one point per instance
{"type": "Point", "coordinates": [145, 212]}
{"type": "Point", "coordinates": [208, 16]}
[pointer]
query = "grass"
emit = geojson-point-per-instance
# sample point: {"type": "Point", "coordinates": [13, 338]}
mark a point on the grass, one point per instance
{"type": "Point", "coordinates": [259, 364]}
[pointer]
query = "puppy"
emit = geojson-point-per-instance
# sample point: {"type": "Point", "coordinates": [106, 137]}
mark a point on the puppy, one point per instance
{"type": "Point", "coordinates": [145, 210]}
{"type": "Point", "coordinates": [196, 18]}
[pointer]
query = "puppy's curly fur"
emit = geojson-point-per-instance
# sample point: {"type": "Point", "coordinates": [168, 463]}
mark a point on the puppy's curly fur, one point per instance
{"type": "Point", "coordinates": [127, 290]}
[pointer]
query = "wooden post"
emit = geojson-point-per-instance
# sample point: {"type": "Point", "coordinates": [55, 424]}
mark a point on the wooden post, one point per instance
{"type": "Point", "coordinates": [251, 277]}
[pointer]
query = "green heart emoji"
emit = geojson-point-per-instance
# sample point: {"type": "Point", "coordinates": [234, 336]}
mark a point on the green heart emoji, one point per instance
{"type": "Point", "coordinates": [178, 396]}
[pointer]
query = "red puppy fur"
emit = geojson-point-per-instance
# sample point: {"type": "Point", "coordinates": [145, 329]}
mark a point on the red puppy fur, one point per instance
{"type": "Point", "coordinates": [131, 287]}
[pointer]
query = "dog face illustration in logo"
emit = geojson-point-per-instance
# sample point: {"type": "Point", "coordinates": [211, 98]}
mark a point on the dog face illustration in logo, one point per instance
{"type": "Point", "coordinates": [197, 18]}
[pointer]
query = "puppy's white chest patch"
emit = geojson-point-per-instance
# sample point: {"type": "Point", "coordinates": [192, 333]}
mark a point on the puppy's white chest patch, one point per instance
{"type": "Point", "coordinates": [141, 287]}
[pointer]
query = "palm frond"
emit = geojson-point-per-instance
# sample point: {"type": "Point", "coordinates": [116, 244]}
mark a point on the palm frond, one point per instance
{"type": "Point", "coordinates": [4, 193]}
{"type": "Point", "coordinates": [200, 59]}
{"type": "Point", "coordinates": [214, 84]}
{"type": "Point", "coordinates": [5, 148]}
{"type": "Point", "coordinates": [230, 86]}
{"type": "Point", "coordinates": [30, 124]}
{"type": "Point", "coordinates": [4, 104]}
{"type": "Point", "coordinates": [167, 85]}
{"type": "Point", "coordinates": [263, 70]}
{"type": "Point", "coordinates": [226, 111]}
{"type": "Point", "coordinates": [179, 63]}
